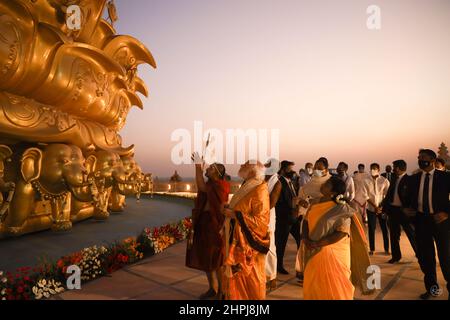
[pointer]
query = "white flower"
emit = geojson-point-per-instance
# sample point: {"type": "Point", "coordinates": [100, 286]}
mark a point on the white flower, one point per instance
{"type": "Point", "coordinates": [341, 199]}
{"type": "Point", "coordinates": [37, 293]}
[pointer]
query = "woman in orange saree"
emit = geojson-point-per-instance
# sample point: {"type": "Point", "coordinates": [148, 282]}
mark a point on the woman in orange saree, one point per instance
{"type": "Point", "coordinates": [334, 254]}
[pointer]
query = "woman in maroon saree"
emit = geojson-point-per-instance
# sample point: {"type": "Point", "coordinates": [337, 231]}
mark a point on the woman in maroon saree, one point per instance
{"type": "Point", "coordinates": [205, 245]}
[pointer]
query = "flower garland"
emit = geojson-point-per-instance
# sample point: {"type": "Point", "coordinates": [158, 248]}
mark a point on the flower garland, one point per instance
{"type": "Point", "coordinates": [91, 263]}
{"type": "Point", "coordinates": [156, 240]}
{"type": "Point", "coordinates": [340, 199]}
{"type": "Point", "coordinates": [94, 262]}
{"type": "Point", "coordinates": [45, 289]}
{"type": "Point", "coordinates": [3, 284]}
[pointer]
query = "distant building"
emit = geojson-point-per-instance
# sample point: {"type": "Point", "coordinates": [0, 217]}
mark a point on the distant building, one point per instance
{"type": "Point", "coordinates": [174, 182]}
{"type": "Point", "coordinates": [175, 178]}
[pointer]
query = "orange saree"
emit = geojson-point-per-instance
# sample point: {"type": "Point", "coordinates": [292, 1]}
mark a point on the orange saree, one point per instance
{"type": "Point", "coordinates": [330, 272]}
{"type": "Point", "coordinates": [244, 274]}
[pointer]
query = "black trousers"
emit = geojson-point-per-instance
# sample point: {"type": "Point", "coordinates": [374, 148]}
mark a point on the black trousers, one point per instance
{"type": "Point", "coordinates": [396, 221]}
{"type": "Point", "coordinates": [428, 233]}
{"type": "Point", "coordinates": [282, 229]}
{"type": "Point", "coordinates": [372, 218]}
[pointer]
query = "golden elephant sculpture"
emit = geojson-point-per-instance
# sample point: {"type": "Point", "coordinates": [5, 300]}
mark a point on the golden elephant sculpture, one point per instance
{"type": "Point", "coordinates": [45, 179]}
{"type": "Point", "coordinates": [106, 173]}
{"type": "Point", "coordinates": [147, 185]}
{"type": "Point", "coordinates": [5, 187]}
{"type": "Point", "coordinates": [133, 179]}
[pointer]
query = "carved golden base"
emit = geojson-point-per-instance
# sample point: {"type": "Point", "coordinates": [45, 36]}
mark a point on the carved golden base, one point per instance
{"type": "Point", "coordinates": [83, 214]}
{"type": "Point", "coordinates": [61, 226]}
{"type": "Point", "coordinates": [33, 224]}
{"type": "Point", "coordinates": [100, 215]}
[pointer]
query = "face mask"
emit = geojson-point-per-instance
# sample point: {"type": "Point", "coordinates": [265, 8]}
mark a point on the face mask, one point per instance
{"type": "Point", "coordinates": [310, 171]}
{"type": "Point", "coordinates": [424, 164]}
{"type": "Point", "coordinates": [290, 174]}
{"type": "Point", "coordinates": [318, 173]}
{"type": "Point", "coordinates": [375, 173]}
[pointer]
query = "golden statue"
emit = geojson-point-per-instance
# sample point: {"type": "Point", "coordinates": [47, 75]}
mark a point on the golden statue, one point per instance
{"type": "Point", "coordinates": [112, 13]}
{"type": "Point", "coordinates": [148, 184]}
{"type": "Point", "coordinates": [132, 186]}
{"type": "Point", "coordinates": [65, 94]}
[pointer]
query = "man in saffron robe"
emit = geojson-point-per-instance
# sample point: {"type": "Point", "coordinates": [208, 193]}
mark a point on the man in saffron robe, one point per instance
{"type": "Point", "coordinates": [205, 246]}
{"type": "Point", "coordinates": [247, 236]}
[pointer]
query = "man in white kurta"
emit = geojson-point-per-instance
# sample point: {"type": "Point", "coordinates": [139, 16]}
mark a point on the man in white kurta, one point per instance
{"type": "Point", "coordinates": [361, 182]}
{"type": "Point", "coordinates": [272, 167]}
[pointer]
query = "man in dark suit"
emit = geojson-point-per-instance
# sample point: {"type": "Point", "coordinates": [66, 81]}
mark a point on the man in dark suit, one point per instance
{"type": "Point", "coordinates": [389, 175]}
{"type": "Point", "coordinates": [429, 195]}
{"type": "Point", "coordinates": [285, 210]}
{"type": "Point", "coordinates": [394, 203]}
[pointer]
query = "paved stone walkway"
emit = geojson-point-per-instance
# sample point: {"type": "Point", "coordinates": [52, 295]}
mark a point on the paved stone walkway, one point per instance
{"type": "Point", "coordinates": [164, 277]}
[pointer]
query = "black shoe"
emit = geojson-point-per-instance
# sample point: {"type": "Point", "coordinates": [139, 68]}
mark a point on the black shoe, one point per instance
{"type": "Point", "coordinates": [393, 261]}
{"type": "Point", "coordinates": [282, 270]}
{"type": "Point", "coordinates": [299, 275]}
{"type": "Point", "coordinates": [426, 296]}
{"type": "Point", "coordinates": [208, 294]}
{"type": "Point", "coordinates": [370, 253]}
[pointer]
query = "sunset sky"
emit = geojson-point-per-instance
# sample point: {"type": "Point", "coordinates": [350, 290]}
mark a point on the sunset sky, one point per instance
{"type": "Point", "coordinates": [311, 69]}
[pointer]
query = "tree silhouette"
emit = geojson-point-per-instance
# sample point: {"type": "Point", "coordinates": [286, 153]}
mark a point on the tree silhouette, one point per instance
{"type": "Point", "coordinates": [443, 154]}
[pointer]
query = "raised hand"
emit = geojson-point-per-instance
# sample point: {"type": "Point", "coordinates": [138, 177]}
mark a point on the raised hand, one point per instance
{"type": "Point", "coordinates": [197, 160]}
